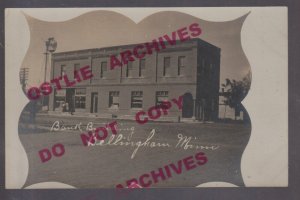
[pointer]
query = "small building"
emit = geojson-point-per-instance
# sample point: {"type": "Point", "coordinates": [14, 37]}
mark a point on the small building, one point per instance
{"type": "Point", "coordinates": [190, 68]}
{"type": "Point", "coordinates": [228, 113]}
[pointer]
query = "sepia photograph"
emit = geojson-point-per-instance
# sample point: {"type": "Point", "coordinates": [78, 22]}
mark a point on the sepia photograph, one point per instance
{"type": "Point", "coordinates": [112, 103]}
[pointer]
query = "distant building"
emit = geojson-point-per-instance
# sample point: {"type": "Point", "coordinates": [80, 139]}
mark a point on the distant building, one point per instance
{"type": "Point", "coordinates": [228, 113]}
{"type": "Point", "coordinates": [190, 68]}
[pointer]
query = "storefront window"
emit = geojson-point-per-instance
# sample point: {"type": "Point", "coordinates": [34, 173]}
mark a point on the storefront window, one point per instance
{"type": "Point", "coordinates": [60, 98]}
{"type": "Point", "coordinates": [136, 99]}
{"type": "Point", "coordinates": [80, 97]}
{"type": "Point", "coordinates": [161, 96]}
{"type": "Point", "coordinates": [114, 99]}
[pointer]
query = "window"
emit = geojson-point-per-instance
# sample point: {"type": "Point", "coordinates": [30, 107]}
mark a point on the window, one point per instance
{"type": "Point", "coordinates": [181, 60]}
{"type": "Point", "coordinates": [76, 69]}
{"type": "Point", "coordinates": [113, 99]}
{"type": "Point", "coordinates": [136, 99]}
{"type": "Point", "coordinates": [129, 69]}
{"type": "Point", "coordinates": [60, 98]}
{"type": "Point", "coordinates": [161, 96]}
{"type": "Point", "coordinates": [80, 98]}
{"type": "Point", "coordinates": [103, 69]}
{"type": "Point", "coordinates": [63, 70]}
{"type": "Point", "coordinates": [142, 67]}
{"type": "Point", "coordinates": [167, 63]}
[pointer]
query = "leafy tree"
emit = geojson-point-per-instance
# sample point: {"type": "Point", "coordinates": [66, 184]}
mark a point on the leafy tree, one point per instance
{"type": "Point", "coordinates": [234, 92]}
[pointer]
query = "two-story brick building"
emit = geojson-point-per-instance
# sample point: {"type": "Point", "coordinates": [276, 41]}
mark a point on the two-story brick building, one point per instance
{"type": "Point", "coordinates": [190, 68]}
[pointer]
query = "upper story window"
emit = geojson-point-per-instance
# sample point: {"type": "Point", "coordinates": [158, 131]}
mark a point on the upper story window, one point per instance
{"type": "Point", "coordinates": [167, 66]}
{"type": "Point", "coordinates": [142, 67]}
{"type": "Point", "coordinates": [181, 60]}
{"type": "Point", "coordinates": [76, 69]}
{"type": "Point", "coordinates": [114, 99]}
{"type": "Point", "coordinates": [161, 96]}
{"type": "Point", "coordinates": [136, 99]}
{"type": "Point", "coordinates": [103, 69]}
{"type": "Point", "coordinates": [63, 70]}
{"type": "Point", "coordinates": [129, 69]}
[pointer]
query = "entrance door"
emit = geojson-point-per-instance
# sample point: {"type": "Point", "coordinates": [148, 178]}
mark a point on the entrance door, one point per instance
{"type": "Point", "coordinates": [70, 99]}
{"type": "Point", "coordinates": [94, 103]}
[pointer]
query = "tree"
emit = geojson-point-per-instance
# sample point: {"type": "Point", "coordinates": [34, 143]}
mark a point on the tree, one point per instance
{"type": "Point", "coordinates": [234, 92]}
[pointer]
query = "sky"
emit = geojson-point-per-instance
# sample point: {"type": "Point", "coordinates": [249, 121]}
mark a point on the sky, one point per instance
{"type": "Point", "coordinates": [99, 29]}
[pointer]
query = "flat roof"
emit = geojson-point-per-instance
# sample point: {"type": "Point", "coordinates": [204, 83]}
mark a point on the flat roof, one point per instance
{"type": "Point", "coordinates": [200, 41]}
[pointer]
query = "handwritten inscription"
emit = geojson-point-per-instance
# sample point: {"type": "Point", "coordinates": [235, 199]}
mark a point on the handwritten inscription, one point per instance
{"type": "Point", "coordinates": [57, 126]}
{"type": "Point", "coordinates": [183, 142]}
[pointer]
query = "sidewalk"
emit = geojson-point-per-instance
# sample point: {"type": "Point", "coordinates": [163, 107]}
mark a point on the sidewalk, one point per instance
{"type": "Point", "coordinates": [93, 116]}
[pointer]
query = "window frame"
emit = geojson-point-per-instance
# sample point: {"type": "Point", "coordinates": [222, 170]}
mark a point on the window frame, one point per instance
{"type": "Point", "coordinates": [102, 75]}
{"type": "Point", "coordinates": [129, 67]}
{"type": "Point", "coordinates": [142, 68]}
{"type": "Point", "coordinates": [160, 94]}
{"type": "Point", "coordinates": [166, 67]}
{"type": "Point", "coordinates": [180, 65]}
{"type": "Point", "coordinates": [63, 72]}
{"type": "Point", "coordinates": [136, 94]}
{"type": "Point", "coordinates": [111, 96]}
{"type": "Point", "coordinates": [80, 96]}
{"type": "Point", "coordinates": [76, 70]}
{"type": "Point", "coordinates": [59, 94]}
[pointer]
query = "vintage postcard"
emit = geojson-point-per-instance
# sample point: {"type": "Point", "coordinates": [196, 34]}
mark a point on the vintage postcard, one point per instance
{"type": "Point", "coordinates": [146, 97]}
